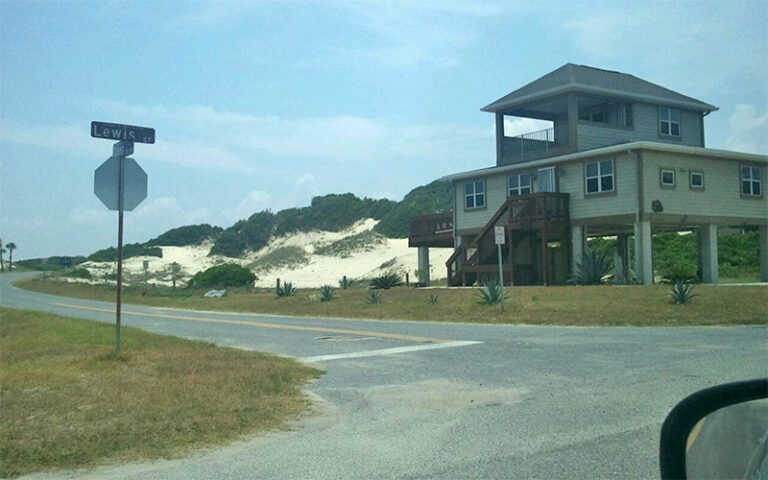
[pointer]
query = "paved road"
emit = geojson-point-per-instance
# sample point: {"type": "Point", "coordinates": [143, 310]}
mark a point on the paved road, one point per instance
{"type": "Point", "coordinates": [430, 400]}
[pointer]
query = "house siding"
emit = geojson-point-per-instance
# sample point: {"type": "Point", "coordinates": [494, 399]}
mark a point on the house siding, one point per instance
{"type": "Point", "coordinates": [720, 197]}
{"type": "Point", "coordinates": [645, 121]}
{"type": "Point", "coordinates": [496, 193]}
{"type": "Point", "coordinates": [624, 201]}
{"type": "Point", "coordinates": [570, 178]}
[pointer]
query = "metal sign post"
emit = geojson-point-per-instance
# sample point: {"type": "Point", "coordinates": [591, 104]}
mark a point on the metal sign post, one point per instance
{"type": "Point", "coordinates": [499, 236]}
{"type": "Point", "coordinates": [121, 184]}
{"type": "Point", "coordinates": [146, 274]}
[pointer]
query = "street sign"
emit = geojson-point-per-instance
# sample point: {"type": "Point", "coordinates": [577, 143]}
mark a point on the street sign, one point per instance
{"type": "Point", "coordinates": [146, 264]}
{"type": "Point", "coordinates": [499, 235]}
{"type": "Point", "coordinates": [123, 148]}
{"type": "Point", "coordinates": [116, 131]}
{"type": "Point", "coordinates": [106, 183]}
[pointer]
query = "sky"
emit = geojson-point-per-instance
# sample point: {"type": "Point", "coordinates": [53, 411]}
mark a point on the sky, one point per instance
{"type": "Point", "coordinates": [265, 104]}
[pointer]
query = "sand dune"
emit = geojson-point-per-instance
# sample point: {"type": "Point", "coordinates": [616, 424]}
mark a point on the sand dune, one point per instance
{"type": "Point", "coordinates": [389, 255]}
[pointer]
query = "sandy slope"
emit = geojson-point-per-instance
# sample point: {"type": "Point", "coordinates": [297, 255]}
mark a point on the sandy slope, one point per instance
{"type": "Point", "coordinates": [320, 269]}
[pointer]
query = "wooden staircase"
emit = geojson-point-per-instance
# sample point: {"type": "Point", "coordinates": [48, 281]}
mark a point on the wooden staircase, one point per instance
{"type": "Point", "coordinates": [538, 218]}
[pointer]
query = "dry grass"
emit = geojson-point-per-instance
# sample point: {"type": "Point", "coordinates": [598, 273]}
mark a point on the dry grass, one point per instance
{"type": "Point", "coordinates": [571, 305]}
{"type": "Point", "coordinates": [68, 401]}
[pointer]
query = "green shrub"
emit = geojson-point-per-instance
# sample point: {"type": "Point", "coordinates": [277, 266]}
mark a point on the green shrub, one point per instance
{"type": "Point", "coordinates": [225, 275]}
{"type": "Point", "coordinates": [591, 270]}
{"type": "Point", "coordinates": [726, 270]}
{"type": "Point", "coordinates": [423, 200]}
{"type": "Point", "coordinates": [79, 273]}
{"type": "Point", "coordinates": [129, 250]}
{"type": "Point", "coordinates": [50, 263]}
{"type": "Point", "coordinates": [387, 281]}
{"type": "Point", "coordinates": [374, 297]}
{"type": "Point", "coordinates": [344, 248]}
{"type": "Point", "coordinates": [327, 293]}
{"type": "Point", "coordinates": [681, 293]}
{"type": "Point", "coordinates": [284, 257]}
{"type": "Point", "coordinates": [346, 283]}
{"type": "Point", "coordinates": [252, 234]}
{"type": "Point", "coordinates": [285, 290]}
{"type": "Point", "coordinates": [680, 271]}
{"type": "Point", "coordinates": [490, 293]}
{"type": "Point", "coordinates": [186, 235]}
{"type": "Point", "coordinates": [432, 299]}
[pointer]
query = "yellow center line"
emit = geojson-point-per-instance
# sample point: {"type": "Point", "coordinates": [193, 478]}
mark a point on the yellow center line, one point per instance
{"type": "Point", "coordinates": [395, 336]}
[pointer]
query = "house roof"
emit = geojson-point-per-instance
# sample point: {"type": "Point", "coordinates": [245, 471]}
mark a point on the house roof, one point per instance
{"type": "Point", "coordinates": [585, 79]}
{"type": "Point", "coordinates": [610, 150]}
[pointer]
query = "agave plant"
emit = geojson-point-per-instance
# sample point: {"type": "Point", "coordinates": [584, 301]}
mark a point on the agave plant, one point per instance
{"type": "Point", "coordinates": [327, 293]}
{"type": "Point", "coordinates": [432, 299]}
{"type": "Point", "coordinates": [490, 293]}
{"type": "Point", "coordinates": [681, 293]}
{"type": "Point", "coordinates": [286, 290]}
{"type": "Point", "coordinates": [346, 283]}
{"type": "Point", "coordinates": [387, 281]}
{"type": "Point", "coordinates": [591, 270]}
{"type": "Point", "coordinates": [374, 297]}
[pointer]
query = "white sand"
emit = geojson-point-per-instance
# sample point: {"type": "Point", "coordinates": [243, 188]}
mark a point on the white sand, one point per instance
{"type": "Point", "coordinates": [319, 271]}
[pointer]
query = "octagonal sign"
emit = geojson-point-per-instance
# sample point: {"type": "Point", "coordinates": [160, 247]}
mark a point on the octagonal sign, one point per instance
{"type": "Point", "coordinates": [105, 183]}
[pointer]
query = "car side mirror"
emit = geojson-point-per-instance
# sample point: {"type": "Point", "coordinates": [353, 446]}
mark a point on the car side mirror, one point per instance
{"type": "Point", "coordinates": [718, 432]}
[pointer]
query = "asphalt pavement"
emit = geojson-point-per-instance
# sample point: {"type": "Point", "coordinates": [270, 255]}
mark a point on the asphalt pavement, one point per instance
{"type": "Point", "coordinates": [447, 400]}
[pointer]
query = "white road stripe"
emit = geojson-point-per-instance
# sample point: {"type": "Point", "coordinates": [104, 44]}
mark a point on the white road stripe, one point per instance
{"type": "Point", "coordinates": [387, 351]}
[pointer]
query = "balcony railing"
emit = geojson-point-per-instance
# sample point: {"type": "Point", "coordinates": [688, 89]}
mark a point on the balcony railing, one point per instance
{"type": "Point", "coordinates": [537, 144]}
{"type": "Point", "coordinates": [434, 230]}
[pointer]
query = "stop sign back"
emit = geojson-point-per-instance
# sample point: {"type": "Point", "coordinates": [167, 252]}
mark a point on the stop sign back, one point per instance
{"type": "Point", "coordinates": [106, 183]}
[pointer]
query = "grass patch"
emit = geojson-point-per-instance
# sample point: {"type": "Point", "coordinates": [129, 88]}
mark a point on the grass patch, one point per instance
{"type": "Point", "coordinates": [569, 305]}
{"type": "Point", "coordinates": [283, 257]}
{"type": "Point", "coordinates": [344, 248]}
{"type": "Point", "coordinates": [68, 402]}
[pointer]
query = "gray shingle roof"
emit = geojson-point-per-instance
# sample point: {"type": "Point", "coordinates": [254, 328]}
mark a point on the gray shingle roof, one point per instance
{"type": "Point", "coordinates": [581, 78]}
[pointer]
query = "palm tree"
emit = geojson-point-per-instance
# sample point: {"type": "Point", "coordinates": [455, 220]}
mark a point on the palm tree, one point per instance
{"type": "Point", "coordinates": [2, 251]}
{"type": "Point", "coordinates": [11, 247]}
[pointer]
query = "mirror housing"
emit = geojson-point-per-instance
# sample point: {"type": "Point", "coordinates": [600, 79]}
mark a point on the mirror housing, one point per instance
{"type": "Point", "coordinates": [686, 414]}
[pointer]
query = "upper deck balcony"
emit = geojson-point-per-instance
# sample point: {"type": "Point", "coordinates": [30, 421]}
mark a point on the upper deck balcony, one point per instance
{"type": "Point", "coordinates": [533, 145]}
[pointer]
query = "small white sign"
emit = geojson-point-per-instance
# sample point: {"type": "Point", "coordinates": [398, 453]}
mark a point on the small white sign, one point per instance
{"type": "Point", "coordinates": [499, 234]}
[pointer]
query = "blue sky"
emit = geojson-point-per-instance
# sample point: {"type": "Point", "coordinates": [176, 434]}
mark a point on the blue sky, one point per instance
{"type": "Point", "coordinates": [265, 104]}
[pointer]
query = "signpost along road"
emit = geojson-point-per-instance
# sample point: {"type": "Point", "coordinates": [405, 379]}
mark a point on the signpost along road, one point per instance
{"type": "Point", "coordinates": [499, 236]}
{"type": "Point", "coordinates": [121, 184]}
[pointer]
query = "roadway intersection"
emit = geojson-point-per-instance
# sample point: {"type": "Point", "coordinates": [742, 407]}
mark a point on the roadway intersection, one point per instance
{"type": "Point", "coordinates": [434, 400]}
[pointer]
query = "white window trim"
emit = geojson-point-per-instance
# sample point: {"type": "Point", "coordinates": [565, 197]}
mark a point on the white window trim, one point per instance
{"type": "Point", "coordinates": [474, 194]}
{"type": "Point", "coordinates": [751, 181]}
{"type": "Point", "coordinates": [661, 177]}
{"type": "Point", "coordinates": [519, 187]}
{"type": "Point", "coordinates": [599, 177]}
{"type": "Point", "coordinates": [690, 180]}
{"type": "Point", "coordinates": [668, 120]}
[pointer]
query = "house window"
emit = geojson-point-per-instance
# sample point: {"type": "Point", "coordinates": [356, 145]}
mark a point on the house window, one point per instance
{"type": "Point", "coordinates": [599, 176]}
{"type": "Point", "coordinates": [750, 181]}
{"type": "Point", "coordinates": [600, 116]}
{"type": "Point", "coordinates": [697, 180]}
{"type": "Point", "coordinates": [669, 121]}
{"type": "Point", "coordinates": [519, 184]}
{"type": "Point", "coordinates": [667, 177]}
{"type": "Point", "coordinates": [474, 194]}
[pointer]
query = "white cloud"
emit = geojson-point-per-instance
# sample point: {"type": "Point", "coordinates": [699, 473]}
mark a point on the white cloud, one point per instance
{"type": "Point", "coordinates": [254, 201]}
{"type": "Point", "coordinates": [160, 214]}
{"type": "Point", "coordinates": [306, 181]}
{"type": "Point", "coordinates": [337, 138]}
{"type": "Point", "coordinates": [413, 34]}
{"type": "Point", "coordinates": [514, 126]}
{"type": "Point", "coordinates": [88, 216]}
{"type": "Point", "coordinates": [748, 130]}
